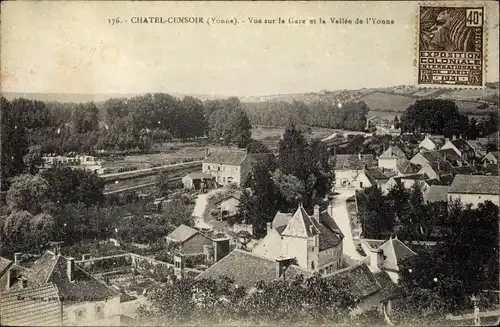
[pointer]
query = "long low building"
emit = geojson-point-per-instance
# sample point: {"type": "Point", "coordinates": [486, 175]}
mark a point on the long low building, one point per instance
{"type": "Point", "coordinates": [475, 189]}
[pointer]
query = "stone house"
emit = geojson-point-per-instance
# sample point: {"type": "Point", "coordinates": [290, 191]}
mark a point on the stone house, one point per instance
{"type": "Point", "coordinates": [231, 166]}
{"type": "Point", "coordinates": [391, 158]}
{"type": "Point", "coordinates": [432, 142]}
{"type": "Point", "coordinates": [462, 148]}
{"type": "Point", "coordinates": [315, 242]}
{"type": "Point", "coordinates": [492, 157]}
{"type": "Point", "coordinates": [84, 300]}
{"type": "Point", "coordinates": [474, 189]}
{"type": "Point", "coordinates": [348, 168]}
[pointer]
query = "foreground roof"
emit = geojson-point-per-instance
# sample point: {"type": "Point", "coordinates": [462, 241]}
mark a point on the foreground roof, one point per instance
{"type": "Point", "coordinates": [226, 157]}
{"type": "Point", "coordinates": [182, 233]}
{"type": "Point", "coordinates": [52, 268]}
{"type": "Point", "coordinates": [475, 184]}
{"type": "Point", "coordinates": [361, 280]}
{"type": "Point", "coordinates": [246, 269]}
{"type": "Point", "coordinates": [32, 306]}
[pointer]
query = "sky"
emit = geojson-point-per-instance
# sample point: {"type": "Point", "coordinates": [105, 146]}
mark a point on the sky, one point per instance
{"type": "Point", "coordinates": [70, 47]}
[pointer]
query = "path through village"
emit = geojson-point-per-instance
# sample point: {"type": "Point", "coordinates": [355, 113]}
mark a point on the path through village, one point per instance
{"type": "Point", "coordinates": [342, 219]}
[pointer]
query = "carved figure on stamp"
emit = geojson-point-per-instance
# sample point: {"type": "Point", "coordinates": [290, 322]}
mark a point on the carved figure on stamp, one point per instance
{"type": "Point", "coordinates": [451, 46]}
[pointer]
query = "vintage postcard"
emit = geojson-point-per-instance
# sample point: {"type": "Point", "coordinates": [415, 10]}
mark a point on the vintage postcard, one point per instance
{"type": "Point", "coordinates": [180, 163]}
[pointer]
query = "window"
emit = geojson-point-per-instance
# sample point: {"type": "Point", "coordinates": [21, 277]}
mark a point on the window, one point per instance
{"type": "Point", "coordinates": [218, 168]}
{"type": "Point", "coordinates": [80, 313]}
{"type": "Point", "coordinates": [208, 167]}
{"type": "Point", "coordinates": [312, 265]}
{"type": "Point", "coordinates": [99, 311]}
{"type": "Point", "coordinates": [361, 184]}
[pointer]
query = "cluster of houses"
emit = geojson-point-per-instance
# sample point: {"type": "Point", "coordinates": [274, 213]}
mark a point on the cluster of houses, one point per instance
{"type": "Point", "coordinates": [446, 169]}
{"type": "Point", "coordinates": [299, 243]}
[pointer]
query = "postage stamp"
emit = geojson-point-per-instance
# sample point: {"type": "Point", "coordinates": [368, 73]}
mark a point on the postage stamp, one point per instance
{"type": "Point", "coordinates": [450, 46]}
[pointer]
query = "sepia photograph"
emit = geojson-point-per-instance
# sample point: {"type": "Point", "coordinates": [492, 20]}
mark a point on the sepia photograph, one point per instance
{"type": "Point", "coordinates": [249, 163]}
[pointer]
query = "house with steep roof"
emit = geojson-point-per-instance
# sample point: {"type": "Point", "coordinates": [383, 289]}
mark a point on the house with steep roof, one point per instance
{"type": "Point", "coordinates": [32, 306]}
{"type": "Point", "coordinates": [462, 148]}
{"type": "Point", "coordinates": [231, 166]}
{"type": "Point", "coordinates": [432, 142]}
{"type": "Point", "coordinates": [314, 241]}
{"type": "Point", "coordinates": [348, 168]}
{"type": "Point", "coordinates": [248, 268]}
{"type": "Point", "coordinates": [437, 169]}
{"type": "Point", "coordinates": [84, 299]}
{"type": "Point", "coordinates": [492, 157]}
{"type": "Point", "coordinates": [452, 157]}
{"type": "Point", "coordinates": [391, 158]}
{"type": "Point", "coordinates": [386, 257]}
{"type": "Point", "coordinates": [475, 189]}
{"type": "Point", "coordinates": [407, 181]}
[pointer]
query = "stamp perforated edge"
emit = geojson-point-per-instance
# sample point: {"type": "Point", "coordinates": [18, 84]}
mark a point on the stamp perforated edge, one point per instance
{"type": "Point", "coordinates": [417, 42]}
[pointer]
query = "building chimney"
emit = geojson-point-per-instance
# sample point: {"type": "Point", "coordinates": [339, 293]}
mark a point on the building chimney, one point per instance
{"type": "Point", "coordinates": [221, 248]}
{"type": "Point", "coordinates": [316, 213]}
{"type": "Point", "coordinates": [70, 268]}
{"type": "Point", "coordinates": [330, 210]}
{"type": "Point", "coordinates": [359, 156]}
{"type": "Point", "coordinates": [376, 259]}
{"type": "Point", "coordinates": [8, 281]}
{"type": "Point", "coordinates": [17, 257]}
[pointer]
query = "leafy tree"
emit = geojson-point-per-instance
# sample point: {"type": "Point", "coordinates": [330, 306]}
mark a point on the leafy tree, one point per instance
{"type": "Point", "coordinates": [375, 219]}
{"type": "Point", "coordinates": [24, 232]}
{"type": "Point", "coordinates": [33, 159]}
{"type": "Point", "coordinates": [28, 192]}
{"type": "Point", "coordinates": [13, 142]}
{"type": "Point", "coordinates": [229, 124]}
{"type": "Point", "coordinates": [431, 115]}
{"type": "Point", "coordinates": [255, 146]}
{"type": "Point", "coordinates": [290, 190]}
{"type": "Point", "coordinates": [68, 185]}
{"type": "Point", "coordinates": [85, 117]}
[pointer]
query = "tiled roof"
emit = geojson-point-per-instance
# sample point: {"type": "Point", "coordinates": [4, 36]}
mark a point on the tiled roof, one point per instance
{"type": "Point", "coordinates": [462, 145]}
{"type": "Point", "coordinates": [388, 289]}
{"type": "Point", "coordinates": [394, 252]}
{"type": "Point", "coordinates": [433, 155]}
{"type": "Point", "coordinates": [246, 269]}
{"type": "Point", "coordinates": [407, 167]}
{"type": "Point", "coordinates": [450, 155]}
{"type": "Point", "coordinates": [32, 306]}
{"type": "Point", "coordinates": [441, 167]}
{"type": "Point", "coordinates": [393, 151]}
{"type": "Point", "coordinates": [83, 287]}
{"type": "Point", "coordinates": [416, 177]}
{"type": "Point", "coordinates": [436, 193]}
{"type": "Point", "coordinates": [329, 236]}
{"type": "Point", "coordinates": [200, 176]}
{"type": "Point", "coordinates": [475, 184]}
{"type": "Point", "coordinates": [376, 174]}
{"type": "Point", "coordinates": [465, 170]}
{"type": "Point", "coordinates": [476, 145]}
{"type": "Point", "coordinates": [4, 264]}
{"type": "Point", "coordinates": [226, 157]}
{"type": "Point", "coordinates": [52, 268]}
{"type": "Point", "coordinates": [353, 161]}
{"type": "Point", "coordinates": [182, 233]}
{"type": "Point", "coordinates": [361, 280]}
